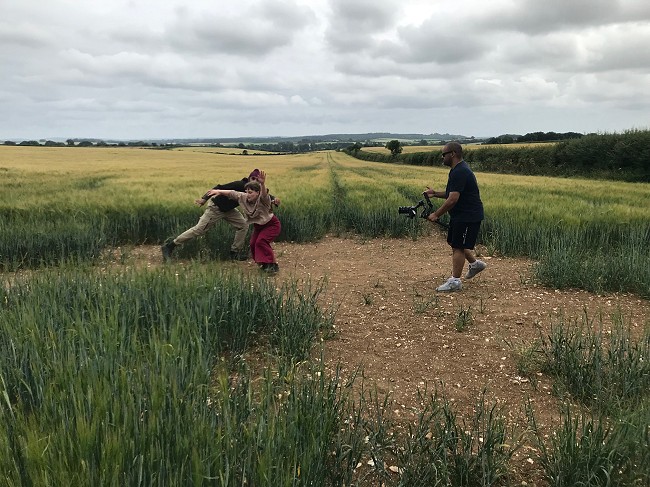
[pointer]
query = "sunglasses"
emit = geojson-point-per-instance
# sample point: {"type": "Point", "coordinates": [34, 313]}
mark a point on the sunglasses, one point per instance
{"type": "Point", "coordinates": [448, 152]}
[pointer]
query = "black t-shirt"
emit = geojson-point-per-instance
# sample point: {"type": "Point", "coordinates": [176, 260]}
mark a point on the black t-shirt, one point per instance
{"type": "Point", "coordinates": [469, 208]}
{"type": "Point", "coordinates": [223, 202]}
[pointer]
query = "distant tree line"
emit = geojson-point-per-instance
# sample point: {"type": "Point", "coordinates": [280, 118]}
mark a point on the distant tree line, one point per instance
{"type": "Point", "coordinates": [86, 143]}
{"type": "Point", "coordinates": [286, 147]}
{"type": "Point", "coordinates": [624, 157]}
{"type": "Point", "coordinates": [533, 137]}
{"type": "Point", "coordinates": [283, 147]}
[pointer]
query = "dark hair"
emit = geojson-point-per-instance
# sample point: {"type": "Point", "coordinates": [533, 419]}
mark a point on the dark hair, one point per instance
{"type": "Point", "coordinates": [254, 185]}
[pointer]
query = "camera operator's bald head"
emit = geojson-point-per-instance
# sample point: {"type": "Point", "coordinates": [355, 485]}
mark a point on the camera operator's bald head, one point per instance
{"type": "Point", "coordinates": [452, 154]}
{"type": "Point", "coordinates": [454, 147]}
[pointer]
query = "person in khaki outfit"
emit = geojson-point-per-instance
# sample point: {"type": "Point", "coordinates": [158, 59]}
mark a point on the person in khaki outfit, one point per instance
{"type": "Point", "coordinates": [257, 206]}
{"type": "Point", "coordinates": [219, 208]}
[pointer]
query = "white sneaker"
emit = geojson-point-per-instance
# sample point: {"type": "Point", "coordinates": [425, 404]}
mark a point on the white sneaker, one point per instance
{"type": "Point", "coordinates": [452, 284]}
{"type": "Point", "coordinates": [474, 268]}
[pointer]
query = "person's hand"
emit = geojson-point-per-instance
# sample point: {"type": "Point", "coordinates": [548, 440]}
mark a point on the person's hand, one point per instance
{"type": "Point", "coordinates": [432, 218]}
{"type": "Point", "coordinates": [429, 191]}
{"type": "Point", "coordinates": [212, 192]}
{"type": "Point", "coordinates": [199, 202]}
{"type": "Point", "coordinates": [262, 177]}
{"type": "Point", "coordinates": [276, 201]}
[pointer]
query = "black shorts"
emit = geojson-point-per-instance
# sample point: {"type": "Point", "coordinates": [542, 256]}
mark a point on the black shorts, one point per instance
{"type": "Point", "coordinates": [463, 235]}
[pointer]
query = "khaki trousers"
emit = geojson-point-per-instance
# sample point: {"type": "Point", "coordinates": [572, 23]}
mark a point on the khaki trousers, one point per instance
{"type": "Point", "coordinates": [209, 219]}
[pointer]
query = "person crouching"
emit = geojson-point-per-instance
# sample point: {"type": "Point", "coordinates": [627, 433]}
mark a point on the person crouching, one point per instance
{"type": "Point", "coordinates": [255, 204]}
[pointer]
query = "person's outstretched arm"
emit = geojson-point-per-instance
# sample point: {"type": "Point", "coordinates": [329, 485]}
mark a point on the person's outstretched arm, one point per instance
{"type": "Point", "coordinates": [222, 192]}
{"type": "Point", "coordinates": [262, 179]}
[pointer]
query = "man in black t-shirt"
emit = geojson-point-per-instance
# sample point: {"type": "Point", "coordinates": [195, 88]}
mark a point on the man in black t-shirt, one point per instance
{"type": "Point", "coordinates": [463, 202]}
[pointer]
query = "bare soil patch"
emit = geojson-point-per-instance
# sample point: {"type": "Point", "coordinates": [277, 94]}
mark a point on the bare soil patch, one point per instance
{"type": "Point", "coordinates": [393, 324]}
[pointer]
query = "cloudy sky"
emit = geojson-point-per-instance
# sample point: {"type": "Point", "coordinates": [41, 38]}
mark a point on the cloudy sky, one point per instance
{"type": "Point", "coordinates": [155, 69]}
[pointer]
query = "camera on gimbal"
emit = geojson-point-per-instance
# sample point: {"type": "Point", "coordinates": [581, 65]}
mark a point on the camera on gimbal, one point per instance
{"type": "Point", "coordinates": [412, 211]}
{"type": "Point", "coordinates": [427, 209]}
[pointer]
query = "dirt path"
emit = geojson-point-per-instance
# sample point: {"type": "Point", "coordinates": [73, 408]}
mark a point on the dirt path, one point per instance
{"type": "Point", "coordinates": [392, 321]}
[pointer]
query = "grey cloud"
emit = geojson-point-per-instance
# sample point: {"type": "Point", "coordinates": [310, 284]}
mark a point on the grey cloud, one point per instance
{"type": "Point", "coordinates": [612, 88]}
{"type": "Point", "coordinates": [421, 45]}
{"type": "Point", "coordinates": [367, 14]}
{"type": "Point", "coordinates": [353, 23]}
{"type": "Point", "coordinates": [513, 51]}
{"type": "Point", "coordinates": [535, 17]}
{"type": "Point", "coordinates": [415, 101]}
{"type": "Point", "coordinates": [367, 66]}
{"type": "Point", "coordinates": [117, 70]}
{"type": "Point", "coordinates": [145, 38]}
{"type": "Point", "coordinates": [23, 34]}
{"type": "Point", "coordinates": [387, 68]}
{"type": "Point", "coordinates": [600, 49]}
{"type": "Point", "coordinates": [255, 33]}
{"type": "Point", "coordinates": [252, 38]}
{"type": "Point", "coordinates": [285, 14]}
{"type": "Point", "coordinates": [619, 47]}
{"type": "Point", "coordinates": [429, 43]}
